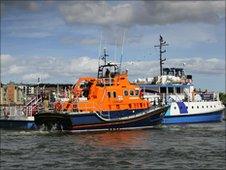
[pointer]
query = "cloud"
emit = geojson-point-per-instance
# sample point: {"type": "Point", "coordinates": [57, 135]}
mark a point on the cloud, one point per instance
{"type": "Point", "coordinates": [88, 41]}
{"type": "Point", "coordinates": [52, 69]}
{"type": "Point", "coordinates": [23, 5]}
{"type": "Point", "coordinates": [6, 59]}
{"type": "Point", "coordinates": [127, 14]}
{"type": "Point", "coordinates": [14, 69]}
{"type": "Point", "coordinates": [35, 76]}
{"type": "Point", "coordinates": [143, 69]}
{"type": "Point", "coordinates": [83, 39]}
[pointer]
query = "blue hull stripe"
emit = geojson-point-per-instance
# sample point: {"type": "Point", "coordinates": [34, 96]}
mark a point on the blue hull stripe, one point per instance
{"type": "Point", "coordinates": [182, 107]}
{"type": "Point", "coordinates": [195, 118]}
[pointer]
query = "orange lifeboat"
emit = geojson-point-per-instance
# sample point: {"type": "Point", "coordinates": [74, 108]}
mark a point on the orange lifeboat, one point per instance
{"type": "Point", "coordinates": [108, 101]}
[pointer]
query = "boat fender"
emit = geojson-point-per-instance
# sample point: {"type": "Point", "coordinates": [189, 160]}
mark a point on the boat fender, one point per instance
{"type": "Point", "coordinates": [58, 106]}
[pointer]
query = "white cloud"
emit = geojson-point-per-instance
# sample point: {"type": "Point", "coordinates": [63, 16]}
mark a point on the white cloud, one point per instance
{"type": "Point", "coordinates": [6, 59]}
{"type": "Point", "coordinates": [14, 69]}
{"type": "Point", "coordinates": [142, 12]}
{"type": "Point", "coordinates": [83, 65]}
{"type": "Point", "coordinates": [142, 69]}
{"type": "Point", "coordinates": [34, 76]}
{"type": "Point", "coordinates": [52, 69]}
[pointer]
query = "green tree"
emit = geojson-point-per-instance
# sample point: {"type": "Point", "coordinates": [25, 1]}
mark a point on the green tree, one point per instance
{"type": "Point", "coordinates": [223, 98]}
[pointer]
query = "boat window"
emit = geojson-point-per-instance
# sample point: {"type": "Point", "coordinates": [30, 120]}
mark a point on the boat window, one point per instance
{"type": "Point", "coordinates": [192, 107]}
{"type": "Point", "coordinates": [114, 94]}
{"type": "Point", "coordinates": [170, 89]}
{"type": "Point", "coordinates": [174, 107]}
{"type": "Point", "coordinates": [178, 90]}
{"type": "Point", "coordinates": [140, 104]}
{"type": "Point", "coordinates": [206, 106]}
{"type": "Point", "coordinates": [131, 93]}
{"type": "Point", "coordinates": [214, 106]}
{"type": "Point", "coordinates": [109, 94]}
{"type": "Point", "coordinates": [186, 107]}
{"type": "Point", "coordinates": [202, 106]}
{"type": "Point", "coordinates": [197, 107]}
{"type": "Point", "coordinates": [126, 93]}
{"type": "Point", "coordinates": [162, 89]}
{"type": "Point", "coordinates": [130, 106]}
{"type": "Point", "coordinates": [211, 106]}
{"type": "Point", "coordinates": [136, 92]}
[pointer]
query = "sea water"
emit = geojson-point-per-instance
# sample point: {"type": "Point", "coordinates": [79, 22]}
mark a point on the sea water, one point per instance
{"type": "Point", "coordinates": [197, 146]}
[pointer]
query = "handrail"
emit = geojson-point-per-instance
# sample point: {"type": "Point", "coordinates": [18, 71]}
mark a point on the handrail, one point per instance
{"type": "Point", "coordinates": [128, 117]}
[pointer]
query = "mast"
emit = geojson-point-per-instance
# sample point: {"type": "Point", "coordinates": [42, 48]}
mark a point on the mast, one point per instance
{"type": "Point", "coordinates": [104, 57]}
{"type": "Point", "coordinates": [162, 43]}
{"type": "Point", "coordinates": [99, 51]}
{"type": "Point", "coordinates": [122, 50]}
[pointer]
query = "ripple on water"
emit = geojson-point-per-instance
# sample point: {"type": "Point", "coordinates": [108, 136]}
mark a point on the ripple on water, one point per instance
{"type": "Point", "coordinates": [168, 147]}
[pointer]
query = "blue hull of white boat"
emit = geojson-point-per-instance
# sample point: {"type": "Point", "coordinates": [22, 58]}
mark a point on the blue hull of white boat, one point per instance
{"type": "Point", "coordinates": [194, 118]}
{"type": "Point", "coordinates": [17, 124]}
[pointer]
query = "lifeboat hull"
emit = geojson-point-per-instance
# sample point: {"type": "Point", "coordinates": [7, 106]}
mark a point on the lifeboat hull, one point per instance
{"type": "Point", "coordinates": [76, 121]}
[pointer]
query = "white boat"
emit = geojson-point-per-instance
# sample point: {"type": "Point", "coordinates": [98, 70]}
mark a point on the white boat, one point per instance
{"type": "Point", "coordinates": [187, 105]}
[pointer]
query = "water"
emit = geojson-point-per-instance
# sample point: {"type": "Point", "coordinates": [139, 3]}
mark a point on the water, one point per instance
{"type": "Point", "coordinates": [199, 146]}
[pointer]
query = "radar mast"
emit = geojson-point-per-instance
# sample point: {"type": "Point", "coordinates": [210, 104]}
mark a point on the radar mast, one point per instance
{"type": "Point", "coordinates": [162, 43]}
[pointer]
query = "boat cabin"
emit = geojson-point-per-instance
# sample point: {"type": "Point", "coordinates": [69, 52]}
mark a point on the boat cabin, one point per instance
{"type": "Point", "coordinates": [177, 72]}
{"type": "Point", "coordinates": [109, 91]}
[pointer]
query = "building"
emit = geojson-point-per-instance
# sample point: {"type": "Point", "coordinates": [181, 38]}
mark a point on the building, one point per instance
{"type": "Point", "coordinates": [3, 94]}
{"type": "Point", "coordinates": [19, 94]}
{"type": "Point", "coordinates": [11, 94]}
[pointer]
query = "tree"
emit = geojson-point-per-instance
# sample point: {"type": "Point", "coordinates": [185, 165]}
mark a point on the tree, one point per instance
{"type": "Point", "coordinates": [223, 98]}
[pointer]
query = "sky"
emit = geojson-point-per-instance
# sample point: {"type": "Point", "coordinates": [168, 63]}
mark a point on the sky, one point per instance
{"type": "Point", "coordinates": [60, 41]}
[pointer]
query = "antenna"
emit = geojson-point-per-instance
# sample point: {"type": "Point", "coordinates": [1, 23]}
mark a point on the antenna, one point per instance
{"type": "Point", "coordinates": [104, 57]}
{"type": "Point", "coordinates": [123, 38]}
{"type": "Point", "coordinates": [114, 60]}
{"type": "Point", "coordinates": [161, 44]}
{"type": "Point", "coordinates": [99, 53]}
